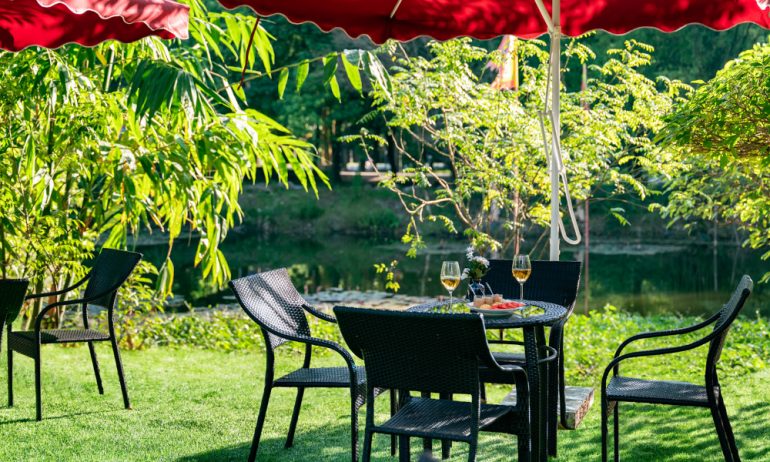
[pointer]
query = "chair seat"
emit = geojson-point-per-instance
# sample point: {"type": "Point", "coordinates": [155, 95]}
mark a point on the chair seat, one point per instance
{"type": "Point", "coordinates": [64, 335]}
{"type": "Point", "coordinates": [327, 377]}
{"type": "Point", "coordinates": [508, 358]}
{"type": "Point", "coordinates": [656, 392]}
{"type": "Point", "coordinates": [438, 418]}
{"type": "Point", "coordinates": [488, 375]}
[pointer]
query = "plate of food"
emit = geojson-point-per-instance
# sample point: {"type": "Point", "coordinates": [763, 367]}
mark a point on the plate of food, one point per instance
{"type": "Point", "coordinates": [495, 306]}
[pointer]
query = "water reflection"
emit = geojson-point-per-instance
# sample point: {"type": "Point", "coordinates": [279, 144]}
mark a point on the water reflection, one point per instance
{"type": "Point", "coordinates": [640, 278]}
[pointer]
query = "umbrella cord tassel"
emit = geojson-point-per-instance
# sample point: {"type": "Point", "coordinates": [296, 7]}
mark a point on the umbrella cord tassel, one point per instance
{"type": "Point", "coordinates": [561, 170]}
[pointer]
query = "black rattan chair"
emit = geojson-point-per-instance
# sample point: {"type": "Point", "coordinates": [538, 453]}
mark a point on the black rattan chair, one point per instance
{"type": "Point", "coordinates": [432, 353]}
{"type": "Point", "coordinates": [12, 293]}
{"type": "Point", "coordinates": [553, 282]}
{"type": "Point", "coordinates": [628, 389]}
{"type": "Point", "coordinates": [271, 300]}
{"type": "Point", "coordinates": [111, 269]}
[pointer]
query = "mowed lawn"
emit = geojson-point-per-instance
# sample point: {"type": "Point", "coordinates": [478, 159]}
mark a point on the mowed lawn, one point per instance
{"type": "Point", "coordinates": [197, 405]}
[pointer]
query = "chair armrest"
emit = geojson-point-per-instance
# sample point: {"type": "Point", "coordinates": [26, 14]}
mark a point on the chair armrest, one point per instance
{"type": "Point", "coordinates": [666, 333]}
{"type": "Point", "coordinates": [614, 364]}
{"type": "Point", "coordinates": [60, 292]}
{"type": "Point", "coordinates": [328, 344]}
{"type": "Point", "coordinates": [319, 314]}
{"type": "Point", "coordinates": [41, 315]}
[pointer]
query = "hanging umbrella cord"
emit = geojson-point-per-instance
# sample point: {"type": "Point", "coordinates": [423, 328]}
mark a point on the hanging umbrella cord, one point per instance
{"type": "Point", "coordinates": [559, 165]}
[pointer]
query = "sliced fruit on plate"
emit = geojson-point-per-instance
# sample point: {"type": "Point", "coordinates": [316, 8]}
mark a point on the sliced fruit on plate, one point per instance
{"type": "Point", "coordinates": [506, 306]}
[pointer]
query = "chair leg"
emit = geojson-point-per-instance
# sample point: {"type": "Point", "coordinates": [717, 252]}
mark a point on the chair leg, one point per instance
{"type": "Point", "coordinates": [472, 449]}
{"type": "Point", "coordinates": [403, 449]}
{"type": "Point", "coordinates": [722, 434]}
{"type": "Point", "coordinates": [95, 363]}
{"type": "Point", "coordinates": [616, 432]}
{"type": "Point", "coordinates": [38, 386]}
{"type": "Point", "coordinates": [523, 448]}
{"type": "Point", "coordinates": [446, 445]}
{"type": "Point", "coordinates": [562, 390]}
{"type": "Point", "coordinates": [121, 378]}
{"type": "Point", "coordinates": [393, 405]}
{"type": "Point", "coordinates": [260, 421]}
{"type": "Point", "coordinates": [10, 377]}
{"type": "Point", "coordinates": [368, 445]}
{"type": "Point", "coordinates": [354, 426]}
{"type": "Point", "coordinates": [728, 429]}
{"type": "Point", "coordinates": [294, 417]}
{"type": "Point", "coordinates": [604, 412]}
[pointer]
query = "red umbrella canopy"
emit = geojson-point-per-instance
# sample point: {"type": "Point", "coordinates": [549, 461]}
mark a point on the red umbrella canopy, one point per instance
{"type": "Point", "coordinates": [444, 19]}
{"type": "Point", "coordinates": [52, 23]}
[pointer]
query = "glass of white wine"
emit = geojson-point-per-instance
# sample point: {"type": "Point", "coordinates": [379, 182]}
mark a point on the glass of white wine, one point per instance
{"type": "Point", "coordinates": [450, 277]}
{"type": "Point", "coordinates": [521, 270]}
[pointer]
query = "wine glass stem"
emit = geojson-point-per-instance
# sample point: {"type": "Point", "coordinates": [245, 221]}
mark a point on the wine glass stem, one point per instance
{"type": "Point", "coordinates": [450, 299]}
{"type": "Point", "coordinates": [521, 291]}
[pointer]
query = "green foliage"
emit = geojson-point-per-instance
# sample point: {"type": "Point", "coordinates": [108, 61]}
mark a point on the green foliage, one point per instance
{"type": "Point", "coordinates": [724, 133]}
{"type": "Point", "coordinates": [220, 330]}
{"type": "Point", "coordinates": [104, 142]}
{"type": "Point", "coordinates": [389, 271]}
{"type": "Point", "coordinates": [382, 222]}
{"type": "Point", "coordinates": [591, 339]}
{"type": "Point", "coordinates": [492, 180]}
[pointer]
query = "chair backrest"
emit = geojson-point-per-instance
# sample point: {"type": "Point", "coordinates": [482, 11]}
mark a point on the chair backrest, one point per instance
{"type": "Point", "coordinates": [428, 352]}
{"type": "Point", "coordinates": [272, 301]}
{"type": "Point", "coordinates": [550, 281]}
{"type": "Point", "coordinates": [12, 293]}
{"type": "Point", "coordinates": [727, 315]}
{"type": "Point", "coordinates": [111, 269]}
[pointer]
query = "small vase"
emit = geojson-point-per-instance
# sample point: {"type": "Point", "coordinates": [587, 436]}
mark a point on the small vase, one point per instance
{"type": "Point", "coordinates": [476, 289]}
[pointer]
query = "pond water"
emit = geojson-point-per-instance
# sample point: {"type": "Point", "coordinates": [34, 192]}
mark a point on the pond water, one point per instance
{"type": "Point", "coordinates": [637, 277]}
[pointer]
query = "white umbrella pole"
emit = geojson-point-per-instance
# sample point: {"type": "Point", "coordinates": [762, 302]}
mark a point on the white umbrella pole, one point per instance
{"type": "Point", "coordinates": [555, 32]}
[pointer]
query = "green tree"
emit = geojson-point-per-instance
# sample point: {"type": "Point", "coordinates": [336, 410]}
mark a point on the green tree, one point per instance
{"type": "Point", "coordinates": [724, 132]}
{"type": "Point", "coordinates": [476, 153]}
{"type": "Point", "coordinates": [101, 143]}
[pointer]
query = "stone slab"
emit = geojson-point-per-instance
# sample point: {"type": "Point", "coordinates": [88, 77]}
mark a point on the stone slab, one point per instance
{"type": "Point", "coordinates": [579, 401]}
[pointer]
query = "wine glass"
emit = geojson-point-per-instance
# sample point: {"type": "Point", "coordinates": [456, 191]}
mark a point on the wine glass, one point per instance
{"type": "Point", "coordinates": [450, 277]}
{"type": "Point", "coordinates": [521, 270]}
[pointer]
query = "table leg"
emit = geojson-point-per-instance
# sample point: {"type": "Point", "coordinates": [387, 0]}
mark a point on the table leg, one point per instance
{"type": "Point", "coordinates": [534, 337]}
{"type": "Point", "coordinates": [553, 399]}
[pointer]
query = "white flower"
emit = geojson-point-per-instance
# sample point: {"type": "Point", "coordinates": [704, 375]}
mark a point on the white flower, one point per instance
{"type": "Point", "coordinates": [469, 252]}
{"type": "Point", "coordinates": [481, 260]}
{"type": "Point", "coordinates": [465, 273]}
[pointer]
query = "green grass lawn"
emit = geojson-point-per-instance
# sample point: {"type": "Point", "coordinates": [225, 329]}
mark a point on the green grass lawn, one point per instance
{"type": "Point", "coordinates": [198, 405]}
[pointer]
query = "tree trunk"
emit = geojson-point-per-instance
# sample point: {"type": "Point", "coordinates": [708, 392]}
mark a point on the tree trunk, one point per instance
{"type": "Point", "coordinates": [336, 149]}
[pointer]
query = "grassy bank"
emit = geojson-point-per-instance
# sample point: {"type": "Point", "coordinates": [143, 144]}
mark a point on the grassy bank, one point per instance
{"type": "Point", "coordinates": [363, 209]}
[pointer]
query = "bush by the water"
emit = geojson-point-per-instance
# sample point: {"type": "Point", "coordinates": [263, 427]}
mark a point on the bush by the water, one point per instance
{"type": "Point", "coordinates": [591, 340]}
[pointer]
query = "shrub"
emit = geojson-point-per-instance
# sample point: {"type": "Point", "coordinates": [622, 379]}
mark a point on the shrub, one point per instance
{"type": "Point", "coordinates": [591, 341]}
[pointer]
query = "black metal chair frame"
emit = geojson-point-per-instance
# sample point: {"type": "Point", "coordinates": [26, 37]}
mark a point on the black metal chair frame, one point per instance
{"type": "Point", "coordinates": [29, 343]}
{"type": "Point", "coordinates": [562, 289]}
{"type": "Point", "coordinates": [722, 321]}
{"type": "Point", "coordinates": [440, 365]}
{"type": "Point", "coordinates": [276, 335]}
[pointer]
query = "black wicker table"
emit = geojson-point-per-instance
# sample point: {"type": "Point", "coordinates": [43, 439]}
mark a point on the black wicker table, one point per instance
{"type": "Point", "coordinates": [533, 324]}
